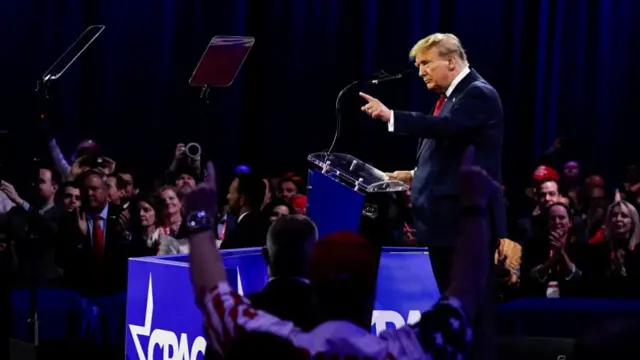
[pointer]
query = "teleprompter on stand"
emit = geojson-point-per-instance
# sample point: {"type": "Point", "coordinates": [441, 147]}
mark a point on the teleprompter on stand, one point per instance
{"type": "Point", "coordinates": [220, 63]}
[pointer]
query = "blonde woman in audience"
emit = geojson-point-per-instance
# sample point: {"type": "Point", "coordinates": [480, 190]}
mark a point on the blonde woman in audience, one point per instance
{"type": "Point", "coordinates": [617, 259]}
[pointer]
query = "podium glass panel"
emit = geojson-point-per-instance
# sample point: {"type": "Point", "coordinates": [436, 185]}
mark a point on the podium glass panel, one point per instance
{"type": "Point", "coordinates": [361, 175]}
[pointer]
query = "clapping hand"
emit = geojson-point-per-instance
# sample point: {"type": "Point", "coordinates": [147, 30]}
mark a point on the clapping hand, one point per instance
{"type": "Point", "coordinates": [82, 221]}
{"type": "Point", "coordinates": [555, 239]}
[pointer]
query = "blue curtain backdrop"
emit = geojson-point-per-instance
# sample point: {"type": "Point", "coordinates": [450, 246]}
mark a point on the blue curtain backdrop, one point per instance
{"type": "Point", "coordinates": [562, 68]}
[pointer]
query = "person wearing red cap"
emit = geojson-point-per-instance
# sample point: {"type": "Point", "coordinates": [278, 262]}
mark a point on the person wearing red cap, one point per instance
{"type": "Point", "coordinates": [300, 204]}
{"type": "Point", "coordinates": [343, 270]}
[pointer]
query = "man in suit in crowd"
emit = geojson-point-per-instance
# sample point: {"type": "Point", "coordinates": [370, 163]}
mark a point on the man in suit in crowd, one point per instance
{"type": "Point", "coordinates": [288, 294]}
{"type": "Point", "coordinates": [245, 197]}
{"type": "Point", "coordinates": [96, 246]}
{"type": "Point", "coordinates": [469, 112]}
{"type": "Point", "coordinates": [94, 252]}
{"type": "Point", "coordinates": [33, 227]}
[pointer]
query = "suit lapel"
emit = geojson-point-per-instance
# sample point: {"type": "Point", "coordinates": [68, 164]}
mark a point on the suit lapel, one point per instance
{"type": "Point", "coordinates": [448, 104]}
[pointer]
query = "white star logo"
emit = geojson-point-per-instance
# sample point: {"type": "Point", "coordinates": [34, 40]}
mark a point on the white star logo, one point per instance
{"type": "Point", "coordinates": [145, 330]}
{"type": "Point", "coordinates": [240, 290]}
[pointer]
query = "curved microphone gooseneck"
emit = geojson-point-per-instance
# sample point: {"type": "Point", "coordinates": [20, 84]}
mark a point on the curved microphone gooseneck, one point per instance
{"type": "Point", "coordinates": [380, 77]}
{"type": "Point", "coordinates": [338, 115]}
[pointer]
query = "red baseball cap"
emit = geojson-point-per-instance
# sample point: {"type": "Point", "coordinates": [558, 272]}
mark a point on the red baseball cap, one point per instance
{"type": "Point", "coordinates": [300, 204]}
{"type": "Point", "coordinates": [344, 255]}
{"type": "Point", "coordinates": [543, 172]}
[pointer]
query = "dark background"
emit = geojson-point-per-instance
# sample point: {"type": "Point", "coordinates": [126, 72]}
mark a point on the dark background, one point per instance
{"type": "Point", "coordinates": [562, 68]}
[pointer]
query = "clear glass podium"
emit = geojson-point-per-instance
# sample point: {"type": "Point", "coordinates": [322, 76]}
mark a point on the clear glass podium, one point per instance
{"type": "Point", "coordinates": [336, 191]}
{"type": "Point", "coordinates": [361, 175]}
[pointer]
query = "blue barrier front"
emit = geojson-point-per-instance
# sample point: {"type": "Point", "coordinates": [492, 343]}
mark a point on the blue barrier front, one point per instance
{"type": "Point", "coordinates": [163, 320]}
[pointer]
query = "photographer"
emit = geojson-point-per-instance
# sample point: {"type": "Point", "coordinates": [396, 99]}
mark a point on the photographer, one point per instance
{"type": "Point", "coordinates": [185, 169]}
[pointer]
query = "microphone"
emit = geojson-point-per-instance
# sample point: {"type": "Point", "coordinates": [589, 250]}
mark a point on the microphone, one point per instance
{"type": "Point", "coordinates": [384, 79]}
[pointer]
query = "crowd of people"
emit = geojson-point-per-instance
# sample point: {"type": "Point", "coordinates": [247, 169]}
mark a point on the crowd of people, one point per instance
{"type": "Point", "coordinates": [84, 220]}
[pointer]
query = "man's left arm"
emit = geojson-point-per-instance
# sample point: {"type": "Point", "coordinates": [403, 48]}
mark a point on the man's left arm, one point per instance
{"type": "Point", "coordinates": [477, 107]}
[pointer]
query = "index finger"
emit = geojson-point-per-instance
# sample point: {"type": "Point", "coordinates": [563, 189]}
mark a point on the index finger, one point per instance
{"type": "Point", "coordinates": [468, 156]}
{"type": "Point", "coordinates": [211, 173]}
{"type": "Point", "coordinates": [369, 98]}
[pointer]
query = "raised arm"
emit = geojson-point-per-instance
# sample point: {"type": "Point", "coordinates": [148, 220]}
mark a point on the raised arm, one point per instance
{"type": "Point", "coordinates": [60, 162]}
{"type": "Point", "coordinates": [227, 314]}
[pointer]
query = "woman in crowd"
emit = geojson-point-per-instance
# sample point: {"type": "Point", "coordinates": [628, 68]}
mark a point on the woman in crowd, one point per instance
{"type": "Point", "coordinates": [149, 230]}
{"type": "Point", "coordinates": [554, 263]}
{"type": "Point", "coordinates": [277, 208]}
{"type": "Point", "coordinates": [172, 209]}
{"type": "Point", "coordinates": [616, 259]}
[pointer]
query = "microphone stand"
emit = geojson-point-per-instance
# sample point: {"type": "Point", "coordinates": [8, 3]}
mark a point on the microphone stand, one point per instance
{"type": "Point", "coordinates": [43, 94]}
{"type": "Point", "coordinates": [381, 77]}
{"type": "Point", "coordinates": [338, 113]}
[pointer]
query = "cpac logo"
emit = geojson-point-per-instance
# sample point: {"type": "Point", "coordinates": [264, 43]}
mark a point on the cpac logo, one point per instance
{"type": "Point", "coordinates": [166, 344]}
{"type": "Point", "coordinates": [381, 318]}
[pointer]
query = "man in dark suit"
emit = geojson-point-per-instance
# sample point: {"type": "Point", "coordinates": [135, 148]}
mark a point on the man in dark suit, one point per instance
{"type": "Point", "coordinates": [288, 294]}
{"type": "Point", "coordinates": [95, 243]}
{"type": "Point", "coordinates": [32, 227]}
{"type": "Point", "coordinates": [245, 197]}
{"type": "Point", "coordinates": [95, 249]}
{"type": "Point", "coordinates": [469, 112]}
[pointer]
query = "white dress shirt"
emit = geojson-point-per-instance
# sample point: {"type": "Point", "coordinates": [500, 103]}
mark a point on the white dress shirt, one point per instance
{"type": "Point", "coordinates": [454, 83]}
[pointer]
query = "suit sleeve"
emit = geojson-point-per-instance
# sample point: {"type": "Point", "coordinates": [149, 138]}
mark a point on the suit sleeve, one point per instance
{"type": "Point", "coordinates": [45, 227]}
{"type": "Point", "coordinates": [475, 108]}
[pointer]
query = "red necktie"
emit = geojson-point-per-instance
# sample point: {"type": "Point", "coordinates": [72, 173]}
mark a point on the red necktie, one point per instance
{"type": "Point", "coordinates": [439, 104]}
{"type": "Point", "coordinates": [98, 251]}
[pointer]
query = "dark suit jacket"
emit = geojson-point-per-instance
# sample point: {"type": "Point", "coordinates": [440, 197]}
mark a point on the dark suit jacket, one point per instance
{"type": "Point", "coordinates": [472, 115]}
{"type": "Point", "coordinates": [251, 231]}
{"type": "Point", "coordinates": [34, 235]}
{"type": "Point", "coordinates": [77, 255]}
{"type": "Point", "coordinates": [288, 299]}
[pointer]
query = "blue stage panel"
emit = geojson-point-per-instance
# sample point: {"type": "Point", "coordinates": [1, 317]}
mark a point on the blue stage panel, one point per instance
{"type": "Point", "coordinates": [162, 314]}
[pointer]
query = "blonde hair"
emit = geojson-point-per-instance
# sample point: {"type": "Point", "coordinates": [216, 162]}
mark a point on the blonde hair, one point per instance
{"type": "Point", "coordinates": [633, 214]}
{"type": "Point", "coordinates": [447, 44]}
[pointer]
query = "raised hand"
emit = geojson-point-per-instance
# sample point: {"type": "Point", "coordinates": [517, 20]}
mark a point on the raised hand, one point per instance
{"type": "Point", "coordinates": [11, 192]}
{"type": "Point", "coordinates": [375, 108]}
{"type": "Point", "coordinates": [204, 197]}
{"type": "Point", "coordinates": [180, 149]}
